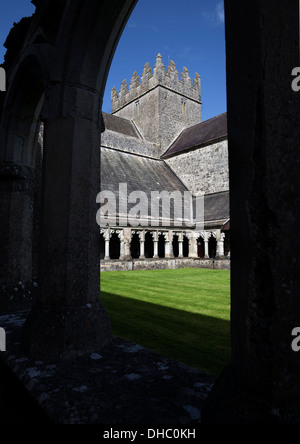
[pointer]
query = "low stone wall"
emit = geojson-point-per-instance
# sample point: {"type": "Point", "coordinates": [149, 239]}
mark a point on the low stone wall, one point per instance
{"type": "Point", "coordinates": [163, 264]}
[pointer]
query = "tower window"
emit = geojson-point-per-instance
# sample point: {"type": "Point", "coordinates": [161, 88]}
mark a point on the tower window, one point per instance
{"type": "Point", "coordinates": [183, 107]}
{"type": "Point", "coordinates": [137, 108]}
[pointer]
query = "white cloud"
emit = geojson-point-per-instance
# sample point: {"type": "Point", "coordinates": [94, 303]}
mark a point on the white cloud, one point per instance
{"type": "Point", "coordinates": [220, 12]}
{"type": "Point", "coordinates": [131, 25]}
{"type": "Point", "coordinates": [215, 16]}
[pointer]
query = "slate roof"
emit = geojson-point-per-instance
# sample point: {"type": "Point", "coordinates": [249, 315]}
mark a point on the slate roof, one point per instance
{"type": "Point", "coordinates": [139, 173]}
{"type": "Point", "coordinates": [202, 134]}
{"type": "Point", "coordinates": [119, 125]}
{"type": "Point", "coordinates": [216, 207]}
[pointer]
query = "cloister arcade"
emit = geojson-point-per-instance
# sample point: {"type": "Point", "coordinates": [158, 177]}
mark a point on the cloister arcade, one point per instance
{"type": "Point", "coordinates": [126, 244]}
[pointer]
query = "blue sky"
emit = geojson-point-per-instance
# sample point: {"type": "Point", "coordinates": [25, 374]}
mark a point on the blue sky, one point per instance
{"type": "Point", "coordinates": [12, 11]}
{"type": "Point", "coordinates": [189, 32]}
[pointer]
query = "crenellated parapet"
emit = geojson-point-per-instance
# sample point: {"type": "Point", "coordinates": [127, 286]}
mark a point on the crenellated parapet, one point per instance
{"type": "Point", "coordinates": [168, 78]}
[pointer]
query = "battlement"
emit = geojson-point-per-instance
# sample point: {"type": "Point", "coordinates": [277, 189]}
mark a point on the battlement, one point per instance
{"type": "Point", "coordinates": [168, 78]}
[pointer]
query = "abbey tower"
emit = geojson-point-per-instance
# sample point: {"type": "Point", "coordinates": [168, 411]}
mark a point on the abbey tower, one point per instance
{"type": "Point", "coordinates": [160, 104]}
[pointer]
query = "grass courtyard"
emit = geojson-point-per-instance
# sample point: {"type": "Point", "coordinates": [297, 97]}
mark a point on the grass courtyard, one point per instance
{"type": "Point", "coordinates": [183, 314]}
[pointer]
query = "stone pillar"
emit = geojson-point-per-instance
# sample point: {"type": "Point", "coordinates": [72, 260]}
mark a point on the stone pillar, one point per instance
{"type": "Point", "coordinates": [205, 236]}
{"type": "Point", "coordinates": [220, 245]}
{"type": "Point", "coordinates": [168, 245]}
{"type": "Point", "coordinates": [180, 245]}
{"type": "Point", "coordinates": [193, 253]}
{"type": "Point", "coordinates": [107, 257]}
{"type": "Point", "coordinates": [127, 250]}
{"type": "Point", "coordinates": [142, 244]}
{"type": "Point", "coordinates": [16, 231]}
{"type": "Point", "coordinates": [127, 233]}
{"type": "Point", "coordinates": [107, 235]}
{"type": "Point", "coordinates": [68, 318]}
{"type": "Point", "coordinates": [20, 186]}
{"type": "Point", "coordinates": [261, 383]}
{"type": "Point", "coordinates": [122, 243]}
{"type": "Point", "coordinates": [155, 240]}
{"type": "Point", "coordinates": [171, 244]}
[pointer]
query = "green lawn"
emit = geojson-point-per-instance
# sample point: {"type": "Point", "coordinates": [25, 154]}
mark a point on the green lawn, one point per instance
{"type": "Point", "coordinates": [183, 314]}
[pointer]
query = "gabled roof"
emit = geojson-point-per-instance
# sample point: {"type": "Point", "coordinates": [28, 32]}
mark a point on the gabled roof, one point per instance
{"type": "Point", "coordinates": [119, 125]}
{"type": "Point", "coordinates": [216, 207]}
{"type": "Point", "coordinates": [199, 135]}
{"type": "Point", "coordinates": [139, 173]}
{"type": "Point", "coordinates": [147, 175]}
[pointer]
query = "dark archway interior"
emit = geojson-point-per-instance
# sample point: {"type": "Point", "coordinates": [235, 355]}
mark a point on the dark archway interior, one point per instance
{"type": "Point", "coordinates": [135, 246]}
{"type": "Point", "coordinates": [114, 246]}
{"type": "Point", "coordinates": [102, 246]}
{"type": "Point", "coordinates": [149, 247]}
{"type": "Point", "coordinates": [200, 247]}
{"type": "Point", "coordinates": [212, 247]}
{"type": "Point", "coordinates": [161, 246]}
{"type": "Point", "coordinates": [185, 247]}
{"type": "Point", "coordinates": [175, 244]}
{"type": "Point", "coordinates": [227, 243]}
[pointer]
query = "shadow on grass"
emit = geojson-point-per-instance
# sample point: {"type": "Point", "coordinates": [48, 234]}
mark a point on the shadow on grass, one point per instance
{"type": "Point", "coordinates": [197, 340]}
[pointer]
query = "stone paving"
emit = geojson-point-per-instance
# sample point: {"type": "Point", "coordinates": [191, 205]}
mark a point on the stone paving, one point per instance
{"type": "Point", "coordinates": [123, 383]}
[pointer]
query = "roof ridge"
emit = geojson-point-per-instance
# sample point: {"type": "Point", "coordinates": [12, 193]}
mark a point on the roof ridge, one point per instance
{"type": "Point", "coordinates": [177, 147]}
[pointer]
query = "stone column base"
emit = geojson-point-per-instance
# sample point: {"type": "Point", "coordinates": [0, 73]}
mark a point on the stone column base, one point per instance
{"type": "Point", "coordinates": [52, 332]}
{"type": "Point", "coordinates": [17, 296]}
{"type": "Point", "coordinates": [227, 404]}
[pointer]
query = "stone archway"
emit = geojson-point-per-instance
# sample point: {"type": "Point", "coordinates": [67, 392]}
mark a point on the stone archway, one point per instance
{"type": "Point", "coordinates": [20, 167]}
{"type": "Point", "coordinates": [263, 115]}
{"type": "Point", "coordinates": [73, 79]}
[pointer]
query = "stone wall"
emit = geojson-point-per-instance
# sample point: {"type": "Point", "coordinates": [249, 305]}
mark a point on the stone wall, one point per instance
{"type": "Point", "coordinates": [176, 112]}
{"type": "Point", "coordinates": [162, 264]}
{"type": "Point", "coordinates": [204, 170]}
{"type": "Point", "coordinates": [145, 114]}
{"type": "Point", "coordinates": [112, 139]}
{"type": "Point", "coordinates": [161, 115]}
